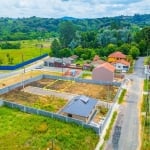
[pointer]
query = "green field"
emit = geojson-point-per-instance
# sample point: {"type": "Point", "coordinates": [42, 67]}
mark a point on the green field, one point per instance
{"type": "Point", "coordinates": [29, 49]}
{"type": "Point", "coordinates": [22, 131]}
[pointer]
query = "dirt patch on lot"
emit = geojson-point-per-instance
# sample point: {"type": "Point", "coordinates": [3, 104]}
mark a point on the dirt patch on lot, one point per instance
{"type": "Point", "coordinates": [49, 103]}
{"type": "Point", "coordinates": [102, 92]}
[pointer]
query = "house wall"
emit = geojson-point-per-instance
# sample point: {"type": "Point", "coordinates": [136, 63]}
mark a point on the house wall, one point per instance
{"type": "Point", "coordinates": [102, 74]}
{"type": "Point", "coordinates": [111, 59]}
{"type": "Point", "coordinates": [121, 67]}
{"type": "Point", "coordinates": [76, 116]}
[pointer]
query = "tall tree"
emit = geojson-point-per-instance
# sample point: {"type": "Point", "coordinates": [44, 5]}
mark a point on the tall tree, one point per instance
{"type": "Point", "coordinates": [67, 33]}
{"type": "Point", "coordinates": [55, 47]}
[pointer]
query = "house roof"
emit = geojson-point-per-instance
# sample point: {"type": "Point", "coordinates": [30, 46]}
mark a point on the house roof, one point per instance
{"type": "Point", "coordinates": [117, 55]}
{"type": "Point", "coordinates": [98, 62]}
{"type": "Point", "coordinates": [74, 56]}
{"type": "Point", "coordinates": [122, 61]}
{"type": "Point", "coordinates": [81, 106]}
{"type": "Point", "coordinates": [106, 65]}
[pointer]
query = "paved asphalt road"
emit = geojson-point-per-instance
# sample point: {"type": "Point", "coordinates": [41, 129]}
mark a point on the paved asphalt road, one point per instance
{"type": "Point", "coordinates": [125, 134]}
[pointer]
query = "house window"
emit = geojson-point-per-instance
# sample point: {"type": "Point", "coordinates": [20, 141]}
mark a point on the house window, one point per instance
{"type": "Point", "coordinates": [69, 115]}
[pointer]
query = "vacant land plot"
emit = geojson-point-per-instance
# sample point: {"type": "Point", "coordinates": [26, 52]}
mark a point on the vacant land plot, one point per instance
{"type": "Point", "coordinates": [92, 90]}
{"type": "Point", "coordinates": [21, 131]}
{"type": "Point", "coordinates": [24, 76]}
{"type": "Point", "coordinates": [49, 103]}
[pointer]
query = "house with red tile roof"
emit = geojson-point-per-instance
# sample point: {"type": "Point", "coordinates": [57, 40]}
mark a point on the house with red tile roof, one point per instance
{"type": "Point", "coordinates": [121, 65]}
{"type": "Point", "coordinates": [113, 57]}
{"type": "Point", "coordinates": [103, 72]}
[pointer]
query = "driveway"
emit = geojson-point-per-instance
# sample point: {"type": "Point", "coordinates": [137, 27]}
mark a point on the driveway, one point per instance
{"type": "Point", "coordinates": [125, 134]}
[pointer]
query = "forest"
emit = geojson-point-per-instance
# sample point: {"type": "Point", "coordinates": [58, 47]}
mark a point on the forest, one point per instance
{"type": "Point", "coordinates": [82, 37]}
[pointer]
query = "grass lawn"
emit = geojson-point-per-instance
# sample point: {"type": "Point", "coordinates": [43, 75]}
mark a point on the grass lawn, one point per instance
{"type": "Point", "coordinates": [22, 131]}
{"type": "Point", "coordinates": [146, 85]}
{"type": "Point", "coordinates": [29, 49]}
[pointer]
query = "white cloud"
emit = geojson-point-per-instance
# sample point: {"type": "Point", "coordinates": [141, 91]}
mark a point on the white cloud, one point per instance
{"type": "Point", "coordinates": [74, 8]}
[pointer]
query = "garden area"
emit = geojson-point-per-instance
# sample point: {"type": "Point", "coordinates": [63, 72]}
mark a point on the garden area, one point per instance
{"type": "Point", "coordinates": [29, 49]}
{"type": "Point", "coordinates": [22, 131]}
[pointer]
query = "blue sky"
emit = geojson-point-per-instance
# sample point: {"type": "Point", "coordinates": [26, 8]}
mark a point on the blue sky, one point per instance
{"type": "Point", "coordinates": [73, 8]}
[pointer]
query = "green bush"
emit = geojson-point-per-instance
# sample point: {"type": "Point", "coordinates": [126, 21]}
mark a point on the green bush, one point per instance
{"type": "Point", "coordinates": [121, 98]}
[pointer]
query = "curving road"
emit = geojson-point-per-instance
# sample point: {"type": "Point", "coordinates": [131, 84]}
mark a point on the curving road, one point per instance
{"type": "Point", "coordinates": [125, 134]}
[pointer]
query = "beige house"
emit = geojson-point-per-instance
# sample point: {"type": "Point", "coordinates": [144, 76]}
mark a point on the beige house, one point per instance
{"type": "Point", "coordinates": [81, 107]}
{"type": "Point", "coordinates": [103, 72]}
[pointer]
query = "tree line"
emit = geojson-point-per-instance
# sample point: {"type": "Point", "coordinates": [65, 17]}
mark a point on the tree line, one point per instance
{"type": "Point", "coordinates": [35, 27]}
{"type": "Point", "coordinates": [132, 41]}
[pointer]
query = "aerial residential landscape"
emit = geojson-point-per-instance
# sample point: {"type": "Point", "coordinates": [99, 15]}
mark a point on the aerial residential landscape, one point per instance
{"type": "Point", "coordinates": [75, 75]}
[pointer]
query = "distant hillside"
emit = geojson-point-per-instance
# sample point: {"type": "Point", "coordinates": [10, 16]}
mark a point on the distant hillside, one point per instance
{"type": "Point", "coordinates": [35, 27]}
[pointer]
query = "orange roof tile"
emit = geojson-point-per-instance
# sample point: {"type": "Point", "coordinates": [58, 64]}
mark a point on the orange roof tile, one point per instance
{"type": "Point", "coordinates": [107, 66]}
{"type": "Point", "coordinates": [117, 55]}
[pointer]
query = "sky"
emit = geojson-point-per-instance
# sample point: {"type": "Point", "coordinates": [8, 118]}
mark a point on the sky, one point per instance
{"type": "Point", "coordinates": [72, 8]}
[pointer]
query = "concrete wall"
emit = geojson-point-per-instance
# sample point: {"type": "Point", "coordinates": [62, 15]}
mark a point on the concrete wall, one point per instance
{"type": "Point", "coordinates": [75, 116]}
{"type": "Point", "coordinates": [48, 114]}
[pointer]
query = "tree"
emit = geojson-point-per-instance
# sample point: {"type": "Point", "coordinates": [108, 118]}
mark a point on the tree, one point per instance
{"type": "Point", "coordinates": [67, 33]}
{"type": "Point", "coordinates": [64, 52]}
{"type": "Point", "coordinates": [143, 47]}
{"type": "Point", "coordinates": [125, 48]}
{"type": "Point", "coordinates": [55, 47]}
{"type": "Point", "coordinates": [134, 52]}
{"type": "Point", "coordinates": [111, 48]}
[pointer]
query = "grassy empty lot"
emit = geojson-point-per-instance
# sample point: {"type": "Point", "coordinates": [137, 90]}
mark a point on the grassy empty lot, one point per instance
{"type": "Point", "coordinates": [49, 103]}
{"type": "Point", "coordinates": [29, 49]}
{"type": "Point", "coordinates": [102, 92]}
{"type": "Point", "coordinates": [21, 131]}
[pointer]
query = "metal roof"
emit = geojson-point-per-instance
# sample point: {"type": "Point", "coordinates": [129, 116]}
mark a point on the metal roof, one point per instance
{"type": "Point", "coordinates": [81, 106]}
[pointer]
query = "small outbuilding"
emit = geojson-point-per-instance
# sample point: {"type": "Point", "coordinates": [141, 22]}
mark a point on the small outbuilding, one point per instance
{"type": "Point", "coordinates": [103, 72]}
{"type": "Point", "coordinates": [58, 62]}
{"type": "Point", "coordinates": [81, 108]}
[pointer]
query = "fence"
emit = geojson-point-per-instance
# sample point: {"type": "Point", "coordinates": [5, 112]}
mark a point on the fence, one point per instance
{"type": "Point", "coordinates": [82, 80]}
{"type": "Point", "coordinates": [47, 114]}
{"type": "Point", "coordinates": [19, 84]}
{"type": "Point", "coordinates": [22, 64]}
{"type": "Point", "coordinates": [57, 116]}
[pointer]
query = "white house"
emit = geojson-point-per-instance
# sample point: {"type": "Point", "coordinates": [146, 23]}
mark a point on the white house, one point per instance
{"type": "Point", "coordinates": [121, 65]}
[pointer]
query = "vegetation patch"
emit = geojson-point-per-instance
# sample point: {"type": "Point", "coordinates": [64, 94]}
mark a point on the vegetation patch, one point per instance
{"type": "Point", "coordinates": [23, 51]}
{"type": "Point", "coordinates": [110, 126]}
{"type": "Point", "coordinates": [121, 98]}
{"type": "Point", "coordinates": [48, 103]}
{"type": "Point", "coordinates": [21, 131]}
{"type": "Point", "coordinates": [146, 85]}
{"type": "Point", "coordinates": [145, 121]}
{"type": "Point", "coordinates": [86, 75]}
